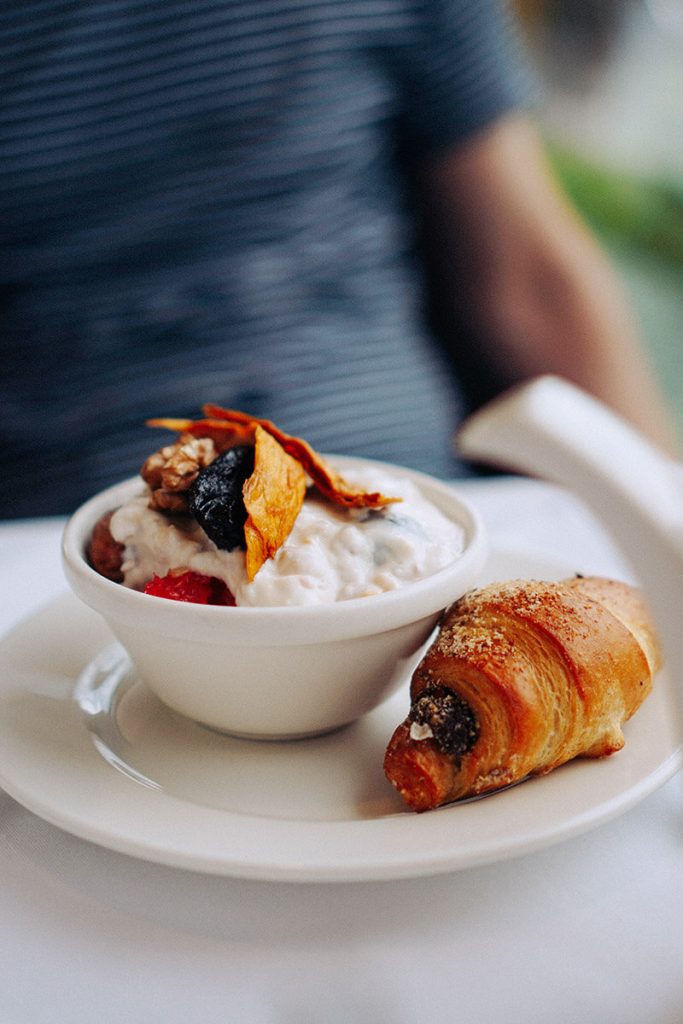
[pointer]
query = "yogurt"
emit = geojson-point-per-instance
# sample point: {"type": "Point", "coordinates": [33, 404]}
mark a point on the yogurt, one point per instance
{"type": "Point", "coordinates": [332, 554]}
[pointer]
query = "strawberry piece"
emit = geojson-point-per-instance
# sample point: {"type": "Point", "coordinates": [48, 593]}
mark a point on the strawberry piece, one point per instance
{"type": "Point", "coordinates": [221, 594]}
{"type": "Point", "coordinates": [189, 586]}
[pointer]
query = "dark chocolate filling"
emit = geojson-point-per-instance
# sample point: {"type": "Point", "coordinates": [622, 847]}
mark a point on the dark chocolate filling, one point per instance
{"type": "Point", "coordinates": [451, 719]}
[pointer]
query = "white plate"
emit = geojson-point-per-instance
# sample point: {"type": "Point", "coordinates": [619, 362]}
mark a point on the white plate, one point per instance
{"type": "Point", "coordinates": [84, 745]}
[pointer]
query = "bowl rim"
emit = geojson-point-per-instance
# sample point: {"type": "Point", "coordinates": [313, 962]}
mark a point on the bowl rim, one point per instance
{"type": "Point", "coordinates": [281, 624]}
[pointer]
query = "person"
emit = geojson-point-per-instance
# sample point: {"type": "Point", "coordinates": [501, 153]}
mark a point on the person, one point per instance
{"type": "Point", "coordinates": [332, 214]}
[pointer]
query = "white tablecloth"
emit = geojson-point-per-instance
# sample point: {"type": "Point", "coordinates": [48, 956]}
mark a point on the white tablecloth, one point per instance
{"type": "Point", "coordinates": [588, 930]}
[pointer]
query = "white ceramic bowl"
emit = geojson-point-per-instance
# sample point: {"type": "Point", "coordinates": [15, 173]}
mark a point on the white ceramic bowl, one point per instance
{"type": "Point", "coordinates": [275, 673]}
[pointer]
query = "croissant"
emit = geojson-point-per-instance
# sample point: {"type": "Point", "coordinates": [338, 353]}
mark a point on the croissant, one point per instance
{"type": "Point", "coordinates": [522, 677]}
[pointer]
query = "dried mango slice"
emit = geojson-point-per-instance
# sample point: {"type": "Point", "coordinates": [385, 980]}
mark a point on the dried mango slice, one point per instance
{"type": "Point", "coordinates": [273, 496]}
{"type": "Point", "coordinates": [326, 479]}
{"type": "Point", "coordinates": [223, 434]}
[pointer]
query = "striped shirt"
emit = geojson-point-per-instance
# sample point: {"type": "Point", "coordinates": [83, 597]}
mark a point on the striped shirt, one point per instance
{"type": "Point", "coordinates": [206, 201]}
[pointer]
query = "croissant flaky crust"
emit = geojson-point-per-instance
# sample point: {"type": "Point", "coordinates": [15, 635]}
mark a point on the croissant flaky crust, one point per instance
{"type": "Point", "coordinates": [522, 677]}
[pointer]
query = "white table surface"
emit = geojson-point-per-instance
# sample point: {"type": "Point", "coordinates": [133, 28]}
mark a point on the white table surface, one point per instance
{"type": "Point", "coordinates": [589, 930]}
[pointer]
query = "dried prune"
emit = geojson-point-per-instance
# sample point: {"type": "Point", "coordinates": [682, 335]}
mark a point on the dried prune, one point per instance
{"type": "Point", "coordinates": [215, 498]}
{"type": "Point", "coordinates": [450, 718]}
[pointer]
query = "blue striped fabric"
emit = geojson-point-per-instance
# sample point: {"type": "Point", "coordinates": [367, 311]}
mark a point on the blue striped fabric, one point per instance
{"type": "Point", "coordinates": [204, 201]}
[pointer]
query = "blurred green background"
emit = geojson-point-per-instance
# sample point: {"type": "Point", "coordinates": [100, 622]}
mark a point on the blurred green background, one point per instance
{"type": "Point", "coordinates": [640, 223]}
{"type": "Point", "coordinates": [611, 75]}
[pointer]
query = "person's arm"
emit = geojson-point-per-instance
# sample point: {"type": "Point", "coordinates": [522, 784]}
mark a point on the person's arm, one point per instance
{"type": "Point", "coordinates": [537, 292]}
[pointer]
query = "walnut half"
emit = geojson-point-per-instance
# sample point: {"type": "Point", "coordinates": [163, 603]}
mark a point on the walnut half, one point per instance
{"type": "Point", "coordinates": [172, 470]}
